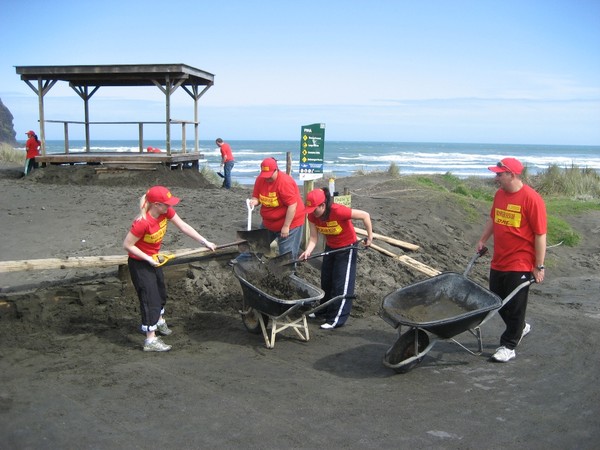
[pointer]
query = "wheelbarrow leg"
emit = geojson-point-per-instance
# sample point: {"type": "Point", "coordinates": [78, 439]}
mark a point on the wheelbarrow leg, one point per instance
{"type": "Point", "coordinates": [270, 343]}
{"type": "Point", "coordinates": [297, 324]}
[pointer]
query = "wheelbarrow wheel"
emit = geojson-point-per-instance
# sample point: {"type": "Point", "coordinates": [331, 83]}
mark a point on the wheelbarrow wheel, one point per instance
{"type": "Point", "coordinates": [252, 322]}
{"type": "Point", "coordinates": [404, 348]}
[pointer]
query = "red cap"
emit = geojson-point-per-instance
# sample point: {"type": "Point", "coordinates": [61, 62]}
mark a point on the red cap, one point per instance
{"type": "Point", "coordinates": [511, 165]}
{"type": "Point", "coordinates": [267, 168]}
{"type": "Point", "coordinates": [160, 194]}
{"type": "Point", "coordinates": [29, 133]}
{"type": "Point", "coordinates": [314, 198]}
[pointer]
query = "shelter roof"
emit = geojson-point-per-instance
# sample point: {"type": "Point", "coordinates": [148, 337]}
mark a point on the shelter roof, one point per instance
{"type": "Point", "coordinates": [119, 75]}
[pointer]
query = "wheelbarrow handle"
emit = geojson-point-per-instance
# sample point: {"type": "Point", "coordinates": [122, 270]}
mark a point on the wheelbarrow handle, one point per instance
{"type": "Point", "coordinates": [516, 290]}
{"type": "Point", "coordinates": [477, 255]}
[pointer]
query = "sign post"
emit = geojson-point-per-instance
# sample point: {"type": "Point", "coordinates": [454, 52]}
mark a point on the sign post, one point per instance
{"type": "Point", "coordinates": [312, 146]}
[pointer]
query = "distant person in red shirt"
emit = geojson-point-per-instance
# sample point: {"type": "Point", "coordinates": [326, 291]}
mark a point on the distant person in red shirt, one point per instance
{"type": "Point", "coordinates": [338, 271]}
{"type": "Point", "coordinates": [518, 223]}
{"type": "Point", "coordinates": [227, 162]}
{"type": "Point", "coordinates": [281, 206]}
{"type": "Point", "coordinates": [153, 150]}
{"type": "Point", "coordinates": [32, 146]}
{"type": "Point", "coordinates": [144, 240]}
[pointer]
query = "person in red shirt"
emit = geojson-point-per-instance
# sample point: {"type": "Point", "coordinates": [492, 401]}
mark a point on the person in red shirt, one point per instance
{"type": "Point", "coordinates": [518, 223]}
{"type": "Point", "coordinates": [142, 242]}
{"type": "Point", "coordinates": [32, 146]}
{"type": "Point", "coordinates": [153, 150]}
{"type": "Point", "coordinates": [227, 162]}
{"type": "Point", "coordinates": [338, 271]}
{"type": "Point", "coordinates": [281, 206]}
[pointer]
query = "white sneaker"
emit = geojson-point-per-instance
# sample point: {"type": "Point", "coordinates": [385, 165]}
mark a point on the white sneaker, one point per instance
{"type": "Point", "coordinates": [503, 354]}
{"type": "Point", "coordinates": [163, 329]}
{"type": "Point", "coordinates": [312, 316]}
{"type": "Point", "coordinates": [526, 330]}
{"type": "Point", "coordinates": [156, 345]}
{"type": "Point", "coordinates": [327, 326]}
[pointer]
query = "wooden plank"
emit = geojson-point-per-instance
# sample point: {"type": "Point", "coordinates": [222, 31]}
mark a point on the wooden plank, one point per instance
{"type": "Point", "coordinates": [408, 261]}
{"type": "Point", "coordinates": [389, 240]}
{"type": "Point", "coordinates": [62, 263]}
{"type": "Point", "coordinates": [83, 262]}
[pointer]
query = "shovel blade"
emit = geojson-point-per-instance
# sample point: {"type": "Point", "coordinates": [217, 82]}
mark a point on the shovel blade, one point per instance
{"type": "Point", "coordinates": [258, 241]}
{"type": "Point", "coordinates": [281, 265]}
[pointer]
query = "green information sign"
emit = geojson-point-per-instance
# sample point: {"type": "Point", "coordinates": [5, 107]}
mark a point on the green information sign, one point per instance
{"type": "Point", "coordinates": [312, 145]}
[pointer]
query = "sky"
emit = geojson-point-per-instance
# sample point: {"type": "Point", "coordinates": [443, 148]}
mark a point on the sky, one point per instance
{"type": "Point", "coordinates": [468, 71]}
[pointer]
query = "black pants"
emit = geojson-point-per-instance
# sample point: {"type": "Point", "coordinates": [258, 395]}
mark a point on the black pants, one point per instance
{"type": "Point", "coordinates": [513, 313]}
{"type": "Point", "coordinates": [149, 283]}
{"type": "Point", "coordinates": [338, 276]}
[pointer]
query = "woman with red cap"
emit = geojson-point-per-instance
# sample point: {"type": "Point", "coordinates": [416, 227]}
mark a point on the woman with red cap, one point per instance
{"type": "Point", "coordinates": [32, 146]}
{"type": "Point", "coordinates": [144, 240]}
{"type": "Point", "coordinates": [338, 271]}
{"type": "Point", "coordinates": [281, 206]}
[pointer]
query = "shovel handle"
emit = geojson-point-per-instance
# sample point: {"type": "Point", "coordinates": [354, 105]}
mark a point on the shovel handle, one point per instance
{"type": "Point", "coordinates": [162, 258]}
{"type": "Point", "coordinates": [250, 209]}
{"type": "Point", "coordinates": [329, 252]}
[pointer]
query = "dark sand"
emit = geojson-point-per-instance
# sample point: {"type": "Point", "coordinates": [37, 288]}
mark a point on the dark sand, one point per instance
{"type": "Point", "coordinates": [73, 374]}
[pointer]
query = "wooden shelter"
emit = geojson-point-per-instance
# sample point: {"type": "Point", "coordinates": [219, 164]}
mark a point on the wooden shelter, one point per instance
{"type": "Point", "coordinates": [86, 80]}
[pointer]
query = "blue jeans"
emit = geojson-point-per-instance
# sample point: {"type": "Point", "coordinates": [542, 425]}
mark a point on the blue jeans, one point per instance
{"type": "Point", "coordinates": [290, 243]}
{"type": "Point", "coordinates": [227, 168]}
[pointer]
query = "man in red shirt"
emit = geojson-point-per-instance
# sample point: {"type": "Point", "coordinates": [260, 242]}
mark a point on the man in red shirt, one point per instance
{"type": "Point", "coordinates": [227, 162]}
{"type": "Point", "coordinates": [282, 209]}
{"type": "Point", "coordinates": [518, 224]}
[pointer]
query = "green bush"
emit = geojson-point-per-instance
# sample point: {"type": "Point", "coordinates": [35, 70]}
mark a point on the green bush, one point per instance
{"type": "Point", "coordinates": [569, 182]}
{"type": "Point", "coordinates": [8, 154]}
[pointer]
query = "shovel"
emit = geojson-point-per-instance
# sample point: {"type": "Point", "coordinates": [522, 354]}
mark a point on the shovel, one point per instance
{"type": "Point", "coordinates": [258, 241]}
{"type": "Point", "coordinates": [163, 258]}
{"type": "Point", "coordinates": [280, 265]}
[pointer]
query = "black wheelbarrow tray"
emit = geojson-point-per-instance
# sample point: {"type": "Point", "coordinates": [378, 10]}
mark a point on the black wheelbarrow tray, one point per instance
{"type": "Point", "coordinates": [443, 306]}
{"type": "Point", "coordinates": [259, 306]}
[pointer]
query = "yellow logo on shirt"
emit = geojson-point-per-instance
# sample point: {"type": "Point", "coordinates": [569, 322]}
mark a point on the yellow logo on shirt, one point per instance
{"type": "Point", "coordinates": [270, 201]}
{"type": "Point", "coordinates": [332, 228]}
{"type": "Point", "coordinates": [511, 217]}
{"type": "Point", "coordinates": [157, 236]}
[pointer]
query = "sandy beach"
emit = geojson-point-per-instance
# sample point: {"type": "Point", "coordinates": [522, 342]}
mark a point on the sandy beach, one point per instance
{"type": "Point", "coordinates": [73, 374]}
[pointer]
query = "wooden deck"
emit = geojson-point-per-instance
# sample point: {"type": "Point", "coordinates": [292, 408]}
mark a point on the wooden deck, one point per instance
{"type": "Point", "coordinates": [124, 160]}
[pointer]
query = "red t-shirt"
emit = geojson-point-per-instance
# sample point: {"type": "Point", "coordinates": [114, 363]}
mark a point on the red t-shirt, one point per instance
{"type": "Point", "coordinates": [33, 148]}
{"type": "Point", "coordinates": [226, 152]}
{"type": "Point", "coordinates": [517, 218]}
{"type": "Point", "coordinates": [337, 229]}
{"type": "Point", "coordinates": [151, 232]}
{"type": "Point", "coordinates": [275, 198]}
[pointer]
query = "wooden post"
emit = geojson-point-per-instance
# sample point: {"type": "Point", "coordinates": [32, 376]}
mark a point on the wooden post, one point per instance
{"type": "Point", "coordinates": [308, 186]}
{"type": "Point", "coordinates": [141, 135]}
{"type": "Point", "coordinates": [66, 128]}
{"type": "Point", "coordinates": [288, 163]}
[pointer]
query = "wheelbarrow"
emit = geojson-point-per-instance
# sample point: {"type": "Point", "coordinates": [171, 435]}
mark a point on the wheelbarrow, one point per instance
{"type": "Point", "coordinates": [441, 307]}
{"type": "Point", "coordinates": [285, 302]}
{"type": "Point", "coordinates": [259, 306]}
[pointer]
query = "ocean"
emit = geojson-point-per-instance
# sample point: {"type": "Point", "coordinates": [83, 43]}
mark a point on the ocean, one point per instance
{"type": "Point", "coordinates": [345, 158]}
